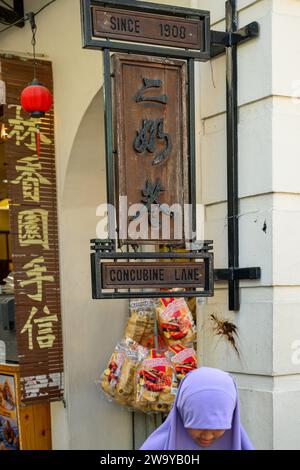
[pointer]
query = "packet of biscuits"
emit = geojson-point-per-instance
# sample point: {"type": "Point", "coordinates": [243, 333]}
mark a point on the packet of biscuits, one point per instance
{"type": "Point", "coordinates": [156, 383]}
{"type": "Point", "coordinates": [117, 381]}
{"type": "Point", "coordinates": [175, 321]}
{"type": "Point", "coordinates": [140, 325]}
{"type": "Point", "coordinates": [184, 359]}
{"type": "Point", "coordinates": [134, 354]}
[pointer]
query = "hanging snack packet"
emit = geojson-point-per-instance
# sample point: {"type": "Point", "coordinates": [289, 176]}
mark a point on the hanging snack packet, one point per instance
{"type": "Point", "coordinates": [184, 360]}
{"type": "Point", "coordinates": [134, 354]}
{"type": "Point", "coordinates": [156, 385]}
{"type": "Point", "coordinates": [117, 381]}
{"type": "Point", "coordinates": [111, 375]}
{"type": "Point", "coordinates": [175, 321]}
{"type": "Point", "coordinates": [140, 326]}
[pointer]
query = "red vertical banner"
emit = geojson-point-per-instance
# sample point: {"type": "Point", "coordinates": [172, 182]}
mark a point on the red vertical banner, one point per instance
{"type": "Point", "coordinates": [34, 229]}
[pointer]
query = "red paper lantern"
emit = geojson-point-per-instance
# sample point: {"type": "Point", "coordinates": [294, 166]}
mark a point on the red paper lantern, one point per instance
{"type": "Point", "coordinates": [36, 99]}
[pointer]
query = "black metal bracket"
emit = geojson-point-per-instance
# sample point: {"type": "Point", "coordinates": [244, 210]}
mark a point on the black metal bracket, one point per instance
{"type": "Point", "coordinates": [227, 42]}
{"type": "Point", "coordinates": [10, 16]}
{"type": "Point", "coordinates": [216, 43]}
{"type": "Point", "coordinates": [220, 40]}
{"type": "Point", "coordinates": [233, 274]}
{"type": "Point", "coordinates": [105, 250]}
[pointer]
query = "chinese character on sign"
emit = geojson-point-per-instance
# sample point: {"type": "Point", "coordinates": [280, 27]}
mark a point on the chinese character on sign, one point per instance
{"type": "Point", "coordinates": [30, 178]}
{"type": "Point", "coordinates": [146, 136]}
{"type": "Point", "coordinates": [25, 130]}
{"type": "Point", "coordinates": [152, 129]}
{"type": "Point", "coordinates": [33, 228]}
{"type": "Point", "coordinates": [149, 83]}
{"type": "Point", "coordinates": [45, 337]}
{"type": "Point", "coordinates": [35, 272]}
{"type": "Point", "coordinates": [151, 194]}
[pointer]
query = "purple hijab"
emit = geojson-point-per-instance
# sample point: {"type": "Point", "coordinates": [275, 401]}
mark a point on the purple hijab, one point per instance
{"type": "Point", "coordinates": [206, 399]}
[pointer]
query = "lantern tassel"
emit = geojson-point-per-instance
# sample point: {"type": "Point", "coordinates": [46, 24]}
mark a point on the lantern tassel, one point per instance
{"type": "Point", "coordinates": [38, 141]}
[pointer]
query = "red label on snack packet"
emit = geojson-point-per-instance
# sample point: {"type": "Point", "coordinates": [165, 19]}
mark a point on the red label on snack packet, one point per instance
{"type": "Point", "coordinates": [177, 347]}
{"type": "Point", "coordinates": [185, 356]}
{"type": "Point", "coordinates": [154, 353]}
{"type": "Point", "coordinates": [167, 301]}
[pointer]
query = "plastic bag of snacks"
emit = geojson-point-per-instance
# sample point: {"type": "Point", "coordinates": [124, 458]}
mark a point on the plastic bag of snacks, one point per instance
{"type": "Point", "coordinates": [117, 381]}
{"type": "Point", "coordinates": [184, 359]}
{"type": "Point", "coordinates": [176, 321]}
{"type": "Point", "coordinates": [156, 383]}
{"type": "Point", "coordinates": [140, 326]}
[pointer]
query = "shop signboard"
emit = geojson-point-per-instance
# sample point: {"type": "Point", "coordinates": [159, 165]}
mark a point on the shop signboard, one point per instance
{"type": "Point", "coordinates": [111, 23]}
{"type": "Point", "coordinates": [149, 27]}
{"type": "Point", "coordinates": [148, 275]}
{"type": "Point", "coordinates": [169, 32]}
{"type": "Point", "coordinates": [150, 148]}
{"type": "Point", "coordinates": [33, 222]}
{"type": "Point", "coordinates": [152, 154]}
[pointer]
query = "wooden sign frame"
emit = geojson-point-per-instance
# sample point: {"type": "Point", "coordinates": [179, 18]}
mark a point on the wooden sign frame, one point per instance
{"type": "Point", "coordinates": [152, 275]}
{"type": "Point", "coordinates": [34, 231]}
{"type": "Point", "coordinates": [104, 254]}
{"type": "Point", "coordinates": [162, 102]}
{"type": "Point", "coordinates": [96, 37]}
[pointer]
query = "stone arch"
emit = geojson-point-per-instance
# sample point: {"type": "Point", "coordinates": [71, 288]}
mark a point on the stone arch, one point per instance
{"type": "Point", "coordinates": [91, 328]}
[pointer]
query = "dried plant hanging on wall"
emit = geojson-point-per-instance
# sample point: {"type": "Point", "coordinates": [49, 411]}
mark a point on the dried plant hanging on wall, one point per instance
{"type": "Point", "coordinates": [226, 330]}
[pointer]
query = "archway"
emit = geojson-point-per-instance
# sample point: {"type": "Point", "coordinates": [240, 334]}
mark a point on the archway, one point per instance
{"type": "Point", "coordinates": [91, 328]}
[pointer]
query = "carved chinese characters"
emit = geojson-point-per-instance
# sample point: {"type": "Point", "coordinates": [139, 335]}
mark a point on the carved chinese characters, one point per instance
{"type": "Point", "coordinates": [151, 141]}
{"type": "Point", "coordinates": [33, 220]}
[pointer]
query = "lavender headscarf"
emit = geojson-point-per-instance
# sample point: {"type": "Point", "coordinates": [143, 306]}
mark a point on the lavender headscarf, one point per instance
{"type": "Point", "coordinates": [206, 399]}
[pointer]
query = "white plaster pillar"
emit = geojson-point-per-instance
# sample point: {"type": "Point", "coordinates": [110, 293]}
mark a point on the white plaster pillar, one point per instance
{"type": "Point", "coordinates": [268, 370]}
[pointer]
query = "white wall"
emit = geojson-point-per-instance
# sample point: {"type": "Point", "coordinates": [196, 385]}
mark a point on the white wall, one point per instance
{"type": "Point", "coordinates": [269, 320]}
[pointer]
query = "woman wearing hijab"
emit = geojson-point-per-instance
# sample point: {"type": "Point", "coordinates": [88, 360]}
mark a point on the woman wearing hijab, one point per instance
{"type": "Point", "coordinates": [205, 416]}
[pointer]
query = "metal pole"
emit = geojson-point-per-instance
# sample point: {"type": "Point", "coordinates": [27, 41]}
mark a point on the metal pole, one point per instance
{"type": "Point", "coordinates": [232, 154]}
{"type": "Point", "coordinates": [192, 147]}
{"type": "Point", "coordinates": [109, 151]}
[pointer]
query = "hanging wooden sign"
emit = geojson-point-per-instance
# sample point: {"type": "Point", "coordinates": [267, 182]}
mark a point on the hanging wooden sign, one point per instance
{"type": "Point", "coordinates": [151, 132]}
{"type": "Point", "coordinates": [34, 231]}
{"type": "Point", "coordinates": [147, 28]}
{"type": "Point", "coordinates": [150, 275]}
{"type": "Point", "coordinates": [149, 148]}
{"type": "Point", "coordinates": [127, 275]}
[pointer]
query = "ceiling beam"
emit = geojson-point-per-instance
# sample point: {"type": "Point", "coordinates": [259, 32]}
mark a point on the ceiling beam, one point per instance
{"type": "Point", "coordinates": [8, 16]}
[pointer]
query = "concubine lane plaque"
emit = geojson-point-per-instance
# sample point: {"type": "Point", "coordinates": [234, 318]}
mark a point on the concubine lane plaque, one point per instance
{"type": "Point", "coordinates": [150, 275]}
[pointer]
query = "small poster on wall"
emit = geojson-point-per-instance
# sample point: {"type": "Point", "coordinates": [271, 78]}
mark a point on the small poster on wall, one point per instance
{"type": "Point", "coordinates": [9, 431]}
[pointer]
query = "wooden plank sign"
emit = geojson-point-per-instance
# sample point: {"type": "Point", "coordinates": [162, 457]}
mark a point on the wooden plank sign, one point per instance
{"type": "Point", "coordinates": [34, 231]}
{"type": "Point", "coordinates": [148, 28]}
{"type": "Point", "coordinates": [152, 275]}
{"type": "Point", "coordinates": [152, 148]}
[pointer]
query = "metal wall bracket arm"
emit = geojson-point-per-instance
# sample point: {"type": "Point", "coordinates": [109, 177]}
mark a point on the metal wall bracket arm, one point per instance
{"type": "Point", "coordinates": [233, 274]}
{"type": "Point", "coordinates": [229, 41]}
{"type": "Point", "coordinates": [220, 40]}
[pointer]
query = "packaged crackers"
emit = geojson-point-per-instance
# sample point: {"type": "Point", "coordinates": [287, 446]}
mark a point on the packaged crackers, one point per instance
{"type": "Point", "coordinates": [175, 321]}
{"type": "Point", "coordinates": [156, 384]}
{"type": "Point", "coordinates": [117, 380]}
{"type": "Point", "coordinates": [140, 326]}
{"type": "Point", "coordinates": [184, 360]}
